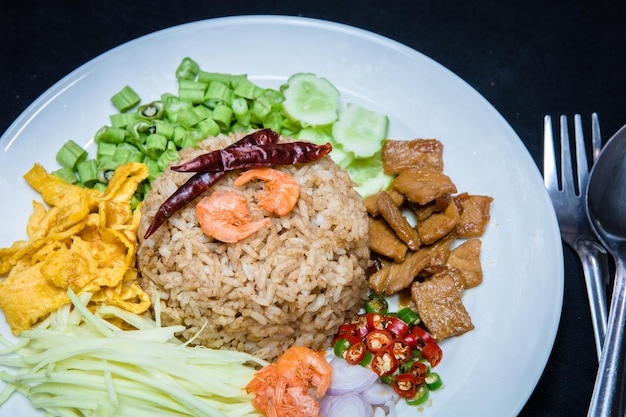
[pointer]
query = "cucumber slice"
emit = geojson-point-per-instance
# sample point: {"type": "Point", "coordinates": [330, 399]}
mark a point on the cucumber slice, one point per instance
{"type": "Point", "coordinates": [360, 130]}
{"type": "Point", "coordinates": [369, 176]}
{"type": "Point", "coordinates": [311, 100]}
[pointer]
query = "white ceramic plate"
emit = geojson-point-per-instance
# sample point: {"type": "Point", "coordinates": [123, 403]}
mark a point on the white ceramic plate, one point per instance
{"type": "Point", "coordinates": [490, 371]}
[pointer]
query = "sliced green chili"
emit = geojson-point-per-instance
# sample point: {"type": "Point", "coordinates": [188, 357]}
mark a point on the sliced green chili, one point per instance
{"type": "Point", "coordinates": [340, 347]}
{"type": "Point", "coordinates": [433, 381]}
{"type": "Point", "coordinates": [420, 396]}
{"type": "Point", "coordinates": [409, 316]}
{"type": "Point", "coordinates": [376, 304]}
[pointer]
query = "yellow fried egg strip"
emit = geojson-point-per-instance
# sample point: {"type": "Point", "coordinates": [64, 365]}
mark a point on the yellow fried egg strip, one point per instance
{"type": "Point", "coordinates": [86, 240]}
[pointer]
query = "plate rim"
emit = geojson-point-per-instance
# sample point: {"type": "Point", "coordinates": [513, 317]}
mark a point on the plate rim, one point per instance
{"type": "Point", "coordinates": [12, 133]}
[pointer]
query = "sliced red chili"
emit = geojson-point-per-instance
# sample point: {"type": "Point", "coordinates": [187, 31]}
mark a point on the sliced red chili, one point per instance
{"type": "Point", "coordinates": [413, 340]}
{"type": "Point", "coordinates": [401, 351]}
{"type": "Point", "coordinates": [378, 340]}
{"type": "Point", "coordinates": [375, 321]}
{"type": "Point", "coordinates": [347, 328]}
{"type": "Point", "coordinates": [422, 334]}
{"type": "Point", "coordinates": [355, 353]}
{"type": "Point", "coordinates": [419, 370]}
{"type": "Point", "coordinates": [432, 353]}
{"type": "Point", "coordinates": [384, 363]}
{"type": "Point", "coordinates": [404, 385]}
{"type": "Point", "coordinates": [396, 326]}
{"type": "Point", "coordinates": [351, 339]}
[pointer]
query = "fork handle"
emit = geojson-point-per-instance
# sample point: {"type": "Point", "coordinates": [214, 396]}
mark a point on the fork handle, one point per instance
{"type": "Point", "coordinates": [607, 397]}
{"type": "Point", "coordinates": [594, 260]}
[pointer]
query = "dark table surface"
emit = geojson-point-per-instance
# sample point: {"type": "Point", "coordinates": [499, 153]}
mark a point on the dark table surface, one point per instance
{"type": "Point", "coordinates": [528, 58]}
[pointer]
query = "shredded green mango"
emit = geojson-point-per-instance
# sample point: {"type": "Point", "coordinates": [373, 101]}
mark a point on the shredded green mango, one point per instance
{"type": "Point", "coordinates": [79, 363]}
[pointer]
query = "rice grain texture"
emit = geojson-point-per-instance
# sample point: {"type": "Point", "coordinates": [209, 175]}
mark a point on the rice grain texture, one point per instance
{"type": "Point", "coordinates": [292, 283]}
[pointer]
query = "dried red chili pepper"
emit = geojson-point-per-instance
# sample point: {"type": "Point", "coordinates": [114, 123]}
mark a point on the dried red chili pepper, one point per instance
{"type": "Point", "coordinates": [202, 181]}
{"type": "Point", "coordinates": [266, 155]}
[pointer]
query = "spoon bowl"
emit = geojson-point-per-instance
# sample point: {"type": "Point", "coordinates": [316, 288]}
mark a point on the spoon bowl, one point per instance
{"type": "Point", "coordinates": [606, 212]}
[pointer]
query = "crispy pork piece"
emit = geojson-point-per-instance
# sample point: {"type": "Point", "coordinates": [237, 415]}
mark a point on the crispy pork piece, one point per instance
{"type": "Point", "coordinates": [422, 186]}
{"type": "Point", "coordinates": [399, 155]}
{"type": "Point", "coordinates": [466, 258]}
{"type": "Point", "coordinates": [426, 261]}
{"type": "Point", "coordinates": [396, 220]}
{"type": "Point", "coordinates": [371, 201]}
{"type": "Point", "coordinates": [437, 205]}
{"type": "Point", "coordinates": [439, 253]}
{"type": "Point", "coordinates": [384, 241]}
{"type": "Point", "coordinates": [474, 212]}
{"type": "Point", "coordinates": [438, 225]}
{"type": "Point", "coordinates": [397, 276]}
{"type": "Point", "coordinates": [458, 277]}
{"type": "Point", "coordinates": [440, 307]}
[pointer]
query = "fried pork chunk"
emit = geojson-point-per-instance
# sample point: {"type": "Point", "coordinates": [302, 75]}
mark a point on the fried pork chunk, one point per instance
{"type": "Point", "coordinates": [474, 214]}
{"type": "Point", "coordinates": [399, 155]}
{"type": "Point", "coordinates": [394, 217]}
{"type": "Point", "coordinates": [439, 305]}
{"type": "Point", "coordinates": [371, 201]}
{"type": "Point", "coordinates": [437, 225]}
{"type": "Point", "coordinates": [415, 227]}
{"type": "Point", "coordinates": [384, 241]}
{"type": "Point", "coordinates": [466, 258]}
{"type": "Point", "coordinates": [422, 186]}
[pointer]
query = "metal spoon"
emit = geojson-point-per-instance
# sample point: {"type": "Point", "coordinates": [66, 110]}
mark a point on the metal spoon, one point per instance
{"type": "Point", "coordinates": [606, 210]}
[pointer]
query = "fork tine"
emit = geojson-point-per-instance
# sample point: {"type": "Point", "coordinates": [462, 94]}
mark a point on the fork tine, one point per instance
{"type": "Point", "coordinates": [567, 174]}
{"type": "Point", "coordinates": [596, 138]}
{"type": "Point", "coordinates": [549, 157]}
{"type": "Point", "coordinates": [582, 168]}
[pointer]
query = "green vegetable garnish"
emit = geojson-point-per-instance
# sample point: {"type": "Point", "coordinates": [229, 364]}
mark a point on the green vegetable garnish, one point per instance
{"type": "Point", "coordinates": [210, 103]}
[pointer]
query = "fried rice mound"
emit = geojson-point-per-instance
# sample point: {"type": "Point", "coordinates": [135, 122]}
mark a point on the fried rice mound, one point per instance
{"type": "Point", "coordinates": [292, 283]}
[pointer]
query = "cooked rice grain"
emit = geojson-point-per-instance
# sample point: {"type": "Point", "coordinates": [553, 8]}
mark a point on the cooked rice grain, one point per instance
{"type": "Point", "coordinates": [293, 282]}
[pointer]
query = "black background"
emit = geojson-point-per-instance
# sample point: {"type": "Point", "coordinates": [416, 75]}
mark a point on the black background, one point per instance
{"type": "Point", "coordinates": [528, 58]}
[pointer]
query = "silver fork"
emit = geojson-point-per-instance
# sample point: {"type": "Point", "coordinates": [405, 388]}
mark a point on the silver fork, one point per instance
{"type": "Point", "coordinates": [569, 203]}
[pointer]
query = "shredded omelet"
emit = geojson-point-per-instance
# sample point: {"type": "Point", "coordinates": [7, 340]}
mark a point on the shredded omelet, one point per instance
{"type": "Point", "coordinates": [86, 240]}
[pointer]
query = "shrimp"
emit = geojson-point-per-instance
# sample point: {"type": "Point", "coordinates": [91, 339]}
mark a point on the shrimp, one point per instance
{"type": "Point", "coordinates": [224, 216]}
{"type": "Point", "coordinates": [282, 388]}
{"type": "Point", "coordinates": [282, 191]}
